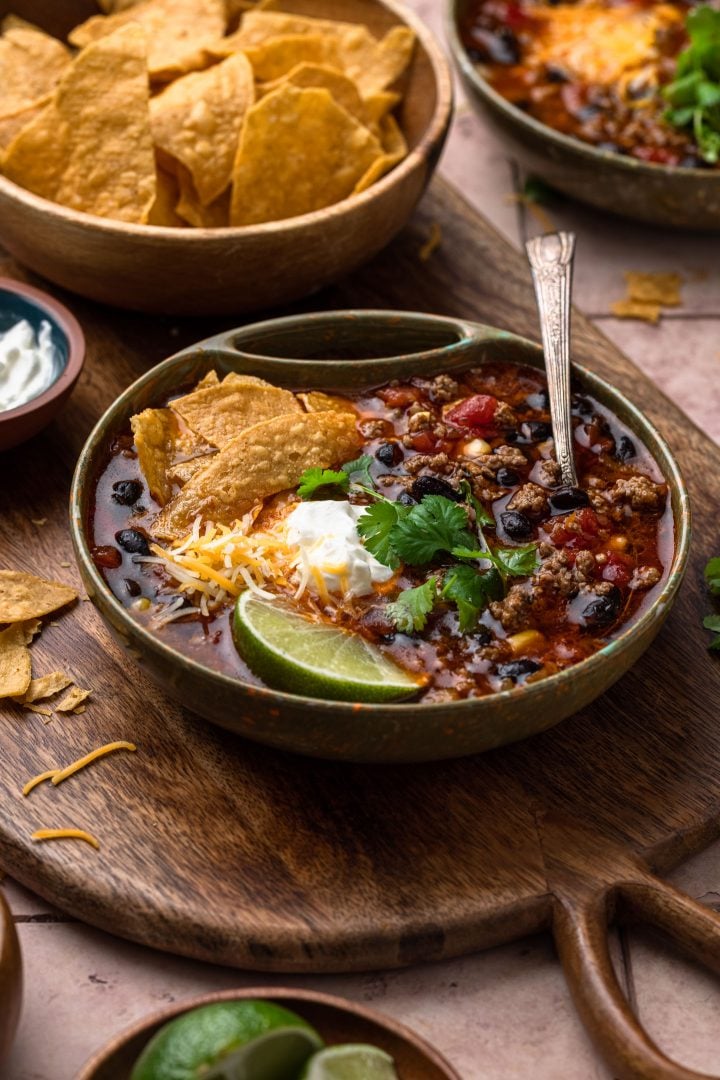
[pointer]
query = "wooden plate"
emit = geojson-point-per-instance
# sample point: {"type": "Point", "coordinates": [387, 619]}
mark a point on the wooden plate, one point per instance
{"type": "Point", "coordinates": [338, 1021]}
{"type": "Point", "coordinates": [229, 852]}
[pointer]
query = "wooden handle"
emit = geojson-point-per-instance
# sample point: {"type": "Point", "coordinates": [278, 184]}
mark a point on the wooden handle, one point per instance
{"type": "Point", "coordinates": [580, 927]}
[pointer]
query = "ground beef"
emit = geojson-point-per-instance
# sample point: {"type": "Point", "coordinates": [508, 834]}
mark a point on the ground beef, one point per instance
{"type": "Point", "coordinates": [640, 492]}
{"type": "Point", "coordinates": [444, 389]}
{"type": "Point", "coordinates": [504, 416]}
{"type": "Point", "coordinates": [549, 473]}
{"type": "Point", "coordinates": [437, 463]}
{"type": "Point", "coordinates": [529, 499]}
{"type": "Point", "coordinates": [515, 611]}
{"type": "Point", "coordinates": [419, 421]}
{"type": "Point", "coordinates": [645, 577]}
{"type": "Point", "coordinates": [509, 456]}
{"type": "Point", "coordinates": [373, 428]}
{"type": "Point", "coordinates": [555, 576]}
{"type": "Point", "coordinates": [585, 566]}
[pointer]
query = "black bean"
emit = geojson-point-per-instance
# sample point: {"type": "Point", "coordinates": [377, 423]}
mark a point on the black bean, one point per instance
{"type": "Point", "coordinates": [405, 499]}
{"type": "Point", "coordinates": [132, 586]}
{"type": "Point", "coordinates": [133, 541]}
{"type": "Point", "coordinates": [603, 610]}
{"type": "Point", "coordinates": [556, 74]}
{"type": "Point", "coordinates": [566, 499]}
{"type": "Point", "coordinates": [507, 477]}
{"type": "Point", "coordinates": [481, 635]}
{"type": "Point", "coordinates": [625, 448]}
{"type": "Point", "coordinates": [389, 454]}
{"type": "Point", "coordinates": [515, 669]}
{"type": "Point", "coordinates": [512, 436]}
{"type": "Point", "coordinates": [517, 525]}
{"type": "Point", "coordinates": [434, 485]}
{"type": "Point", "coordinates": [106, 556]}
{"type": "Point", "coordinates": [127, 492]}
{"type": "Point", "coordinates": [500, 48]}
{"type": "Point", "coordinates": [582, 406]}
{"type": "Point", "coordinates": [536, 430]}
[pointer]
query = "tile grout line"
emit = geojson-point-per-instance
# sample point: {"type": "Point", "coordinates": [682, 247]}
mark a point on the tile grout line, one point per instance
{"type": "Point", "coordinates": [667, 316]}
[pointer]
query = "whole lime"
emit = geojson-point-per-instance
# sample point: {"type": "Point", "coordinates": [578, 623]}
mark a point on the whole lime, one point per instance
{"type": "Point", "coordinates": [237, 1040]}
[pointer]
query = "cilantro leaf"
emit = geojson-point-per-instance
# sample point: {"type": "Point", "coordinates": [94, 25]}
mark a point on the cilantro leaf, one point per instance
{"type": "Point", "coordinates": [712, 622]}
{"type": "Point", "coordinates": [410, 610]}
{"type": "Point", "coordinates": [694, 94]}
{"type": "Point", "coordinates": [471, 591]}
{"type": "Point", "coordinates": [360, 466]}
{"type": "Point", "coordinates": [516, 561]}
{"type": "Point", "coordinates": [436, 524]}
{"type": "Point", "coordinates": [483, 516]}
{"type": "Point", "coordinates": [712, 576]}
{"type": "Point", "coordinates": [376, 526]}
{"type": "Point", "coordinates": [314, 479]}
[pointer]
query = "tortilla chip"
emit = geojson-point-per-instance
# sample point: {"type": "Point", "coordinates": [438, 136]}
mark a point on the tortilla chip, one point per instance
{"type": "Point", "coordinates": [324, 152]}
{"type": "Point", "coordinates": [378, 105]}
{"type": "Point", "coordinates": [211, 379]}
{"type": "Point", "coordinates": [31, 64]}
{"type": "Point", "coordinates": [197, 120]}
{"type": "Point", "coordinates": [636, 309]}
{"type": "Point", "coordinates": [391, 58]}
{"type": "Point", "coordinates": [266, 458]}
{"type": "Point", "coordinates": [91, 147]}
{"type": "Point", "coordinates": [178, 32]}
{"type": "Point", "coordinates": [11, 126]}
{"type": "Point", "coordinates": [315, 401]}
{"type": "Point", "coordinates": [277, 57]}
{"type": "Point", "coordinates": [182, 471]}
{"type": "Point", "coordinates": [220, 413]}
{"type": "Point", "coordinates": [24, 596]}
{"type": "Point", "coordinates": [72, 699]}
{"type": "Point", "coordinates": [31, 628]}
{"type": "Point", "coordinates": [343, 89]}
{"type": "Point", "coordinates": [15, 669]}
{"type": "Point", "coordinates": [41, 709]}
{"type": "Point", "coordinates": [46, 686]}
{"type": "Point", "coordinates": [395, 147]}
{"type": "Point", "coordinates": [162, 211]}
{"type": "Point", "coordinates": [192, 211]}
{"type": "Point", "coordinates": [154, 431]}
{"type": "Point", "coordinates": [654, 288]}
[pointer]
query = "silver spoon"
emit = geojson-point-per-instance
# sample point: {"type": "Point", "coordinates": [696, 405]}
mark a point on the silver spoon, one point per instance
{"type": "Point", "coordinates": [551, 264]}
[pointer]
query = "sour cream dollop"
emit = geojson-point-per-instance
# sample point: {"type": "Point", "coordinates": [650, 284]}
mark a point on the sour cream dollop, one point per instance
{"type": "Point", "coordinates": [330, 547]}
{"type": "Point", "coordinates": [27, 365]}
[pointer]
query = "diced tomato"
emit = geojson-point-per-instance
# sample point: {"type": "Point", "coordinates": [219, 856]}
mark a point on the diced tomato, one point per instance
{"type": "Point", "coordinates": [587, 520]}
{"type": "Point", "coordinates": [618, 569]}
{"type": "Point", "coordinates": [659, 155]}
{"type": "Point", "coordinates": [477, 411]}
{"type": "Point", "coordinates": [397, 397]}
{"type": "Point", "coordinates": [577, 531]}
{"type": "Point", "coordinates": [424, 442]}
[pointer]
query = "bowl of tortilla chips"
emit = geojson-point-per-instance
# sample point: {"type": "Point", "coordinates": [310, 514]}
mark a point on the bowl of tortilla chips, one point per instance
{"type": "Point", "coordinates": [213, 156]}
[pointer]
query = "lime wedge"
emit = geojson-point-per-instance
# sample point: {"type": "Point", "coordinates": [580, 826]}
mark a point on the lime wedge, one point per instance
{"type": "Point", "coordinates": [295, 653]}
{"type": "Point", "coordinates": [246, 1037]}
{"type": "Point", "coordinates": [350, 1062]}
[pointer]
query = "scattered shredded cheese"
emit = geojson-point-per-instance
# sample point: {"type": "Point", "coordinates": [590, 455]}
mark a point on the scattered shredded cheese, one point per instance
{"type": "Point", "coordinates": [109, 748]}
{"type": "Point", "coordinates": [66, 834]}
{"type": "Point", "coordinates": [31, 784]}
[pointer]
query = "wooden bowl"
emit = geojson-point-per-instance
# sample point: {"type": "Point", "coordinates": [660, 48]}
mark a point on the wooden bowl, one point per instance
{"type": "Point", "coordinates": [10, 980]}
{"type": "Point", "coordinates": [298, 352]}
{"type": "Point", "coordinates": [338, 1021]}
{"type": "Point", "coordinates": [235, 270]}
{"type": "Point", "coordinates": [18, 301]}
{"type": "Point", "coordinates": [667, 195]}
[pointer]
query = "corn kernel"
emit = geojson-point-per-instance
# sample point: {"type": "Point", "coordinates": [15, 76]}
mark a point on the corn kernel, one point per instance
{"type": "Point", "coordinates": [142, 604]}
{"type": "Point", "coordinates": [476, 447]}
{"type": "Point", "coordinates": [618, 543]}
{"type": "Point", "coordinates": [526, 641]}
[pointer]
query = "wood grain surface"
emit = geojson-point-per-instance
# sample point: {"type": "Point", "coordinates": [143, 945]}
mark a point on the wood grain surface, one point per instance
{"type": "Point", "coordinates": [226, 851]}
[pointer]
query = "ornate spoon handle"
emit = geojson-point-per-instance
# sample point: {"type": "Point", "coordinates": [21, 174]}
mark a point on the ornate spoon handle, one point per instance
{"type": "Point", "coordinates": [551, 263]}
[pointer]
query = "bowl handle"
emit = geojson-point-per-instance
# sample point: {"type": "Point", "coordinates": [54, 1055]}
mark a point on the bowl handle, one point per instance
{"type": "Point", "coordinates": [582, 910]}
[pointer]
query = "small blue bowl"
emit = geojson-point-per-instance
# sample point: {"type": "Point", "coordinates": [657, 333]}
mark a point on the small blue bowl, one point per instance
{"type": "Point", "coordinates": [19, 301]}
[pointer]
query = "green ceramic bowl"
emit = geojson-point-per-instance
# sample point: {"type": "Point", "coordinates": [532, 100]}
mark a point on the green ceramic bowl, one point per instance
{"type": "Point", "coordinates": [302, 352]}
{"type": "Point", "coordinates": [658, 194]}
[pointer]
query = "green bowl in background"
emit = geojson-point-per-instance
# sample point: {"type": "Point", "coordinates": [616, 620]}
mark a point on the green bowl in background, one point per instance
{"type": "Point", "coordinates": [353, 350]}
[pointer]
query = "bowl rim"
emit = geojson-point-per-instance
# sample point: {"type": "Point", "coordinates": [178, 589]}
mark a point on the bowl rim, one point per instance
{"type": "Point", "coordinates": [570, 143]}
{"type": "Point", "coordinates": [275, 993]}
{"type": "Point", "coordinates": [433, 134]}
{"type": "Point", "coordinates": [69, 325]}
{"type": "Point", "coordinates": [83, 478]}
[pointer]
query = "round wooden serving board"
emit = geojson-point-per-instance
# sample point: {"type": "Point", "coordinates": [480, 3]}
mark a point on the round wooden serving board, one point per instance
{"type": "Point", "coordinates": [223, 850]}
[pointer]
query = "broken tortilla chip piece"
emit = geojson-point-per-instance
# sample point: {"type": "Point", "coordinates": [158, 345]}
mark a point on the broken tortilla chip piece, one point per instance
{"type": "Point", "coordinates": [266, 458]}
{"type": "Point", "coordinates": [636, 309]}
{"type": "Point", "coordinates": [154, 433]}
{"type": "Point", "coordinates": [197, 120]}
{"type": "Point", "coordinates": [390, 60]}
{"type": "Point", "coordinates": [167, 194]}
{"type": "Point", "coordinates": [214, 216]}
{"type": "Point", "coordinates": [15, 666]}
{"type": "Point", "coordinates": [90, 148]}
{"type": "Point", "coordinates": [179, 31]}
{"type": "Point", "coordinates": [24, 597]}
{"type": "Point", "coordinates": [31, 63]}
{"type": "Point", "coordinates": [46, 686]}
{"type": "Point", "coordinates": [316, 401]}
{"type": "Point", "coordinates": [654, 288]}
{"type": "Point", "coordinates": [72, 699]}
{"type": "Point", "coordinates": [219, 413]}
{"type": "Point", "coordinates": [324, 151]}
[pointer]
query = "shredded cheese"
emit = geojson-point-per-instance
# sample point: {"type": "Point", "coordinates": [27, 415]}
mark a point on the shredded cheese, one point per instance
{"type": "Point", "coordinates": [66, 834]}
{"type": "Point", "coordinates": [70, 770]}
{"type": "Point", "coordinates": [38, 780]}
